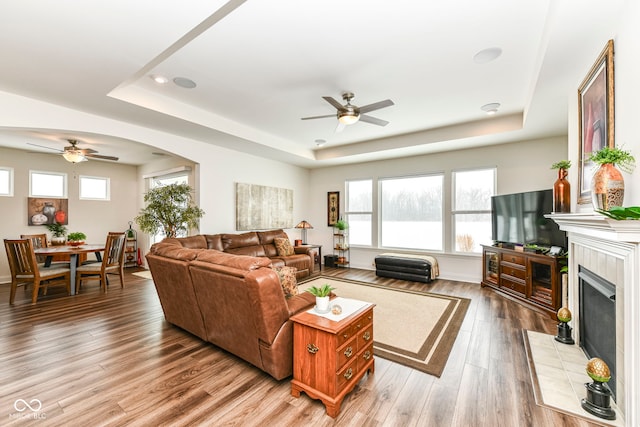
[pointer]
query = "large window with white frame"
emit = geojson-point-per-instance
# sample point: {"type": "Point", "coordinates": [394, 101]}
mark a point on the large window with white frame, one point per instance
{"type": "Point", "coordinates": [47, 184]}
{"type": "Point", "coordinates": [471, 208]}
{"type": "Point", "coordinates": [6, 181]}
{"type": "Point", "coordinates": [359, 211]}
{"type": "Point", "coordinates": [95, 188]}
{"type": "Point", "coordinates": [411, 212]}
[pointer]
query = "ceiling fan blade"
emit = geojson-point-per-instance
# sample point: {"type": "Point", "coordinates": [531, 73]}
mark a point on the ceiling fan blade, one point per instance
{"type": "Point", "coordinates": [373, 120]}
{"type": "Point", "coordinates": [340, 127]}
{"type": "Point", "coordinates": [42, 146]}
{"type": "Point", "coordinates": [86, 151]}
{"type": "Point", "coordinates": [318, 117]}
{"type": "Point", "coordinates": [376, 106]}
{"type": "Point", "coordinates": [99, 156]}
{"type": "Point", "coordinates": [335, 103]}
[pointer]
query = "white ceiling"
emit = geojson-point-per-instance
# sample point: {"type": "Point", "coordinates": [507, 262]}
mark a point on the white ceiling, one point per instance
{"type": "Point", "coordinates": [260, 66]}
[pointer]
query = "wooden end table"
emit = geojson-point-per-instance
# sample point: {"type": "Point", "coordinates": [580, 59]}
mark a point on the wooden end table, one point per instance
{"type": "Point", "coordinates": [329, 357]}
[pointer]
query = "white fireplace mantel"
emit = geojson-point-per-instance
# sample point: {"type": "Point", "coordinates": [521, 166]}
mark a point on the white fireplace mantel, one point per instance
{"type": "Point", "coordinates": [617, 241]}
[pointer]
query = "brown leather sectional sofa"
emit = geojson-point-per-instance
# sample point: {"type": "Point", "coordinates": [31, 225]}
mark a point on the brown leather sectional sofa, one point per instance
{"type": "Point", "coordinates": [234, 301]}
{"type": "Point", "coordinates": [254, 243]}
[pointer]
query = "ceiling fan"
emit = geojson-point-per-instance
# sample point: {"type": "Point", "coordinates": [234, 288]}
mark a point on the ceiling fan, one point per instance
{"type": "Point", "coordinates": [73, 154]}
{"type": "Point", "coordinates": [349, 114]}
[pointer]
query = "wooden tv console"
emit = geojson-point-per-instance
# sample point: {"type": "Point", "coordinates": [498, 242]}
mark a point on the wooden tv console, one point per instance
{"type": "Point", "coordinates": [531, 278]}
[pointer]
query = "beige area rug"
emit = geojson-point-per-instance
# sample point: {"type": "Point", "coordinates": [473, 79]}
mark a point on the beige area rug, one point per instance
{"type": "Point", "coordinates": [144, 274]}
{"type": "Point", "coordinates": [416, 329]}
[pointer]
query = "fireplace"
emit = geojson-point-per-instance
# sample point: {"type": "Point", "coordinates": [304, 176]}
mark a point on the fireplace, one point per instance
{"type": "Point", "coordinates": [610, 250]}
{"type": "Point", "coordinates": [597, 314]}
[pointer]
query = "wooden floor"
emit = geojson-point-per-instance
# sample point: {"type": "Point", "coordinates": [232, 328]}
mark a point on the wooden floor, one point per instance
{"type": "Point", "coordinates": [111, 359]}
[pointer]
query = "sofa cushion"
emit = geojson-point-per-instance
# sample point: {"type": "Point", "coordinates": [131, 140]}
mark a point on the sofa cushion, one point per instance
{"type": "Point", "coordinates": [287, 276]}
{"type": "Point", "coordinates": [283, 246]}
{"type": "Point", "coordinates": [245, 263]}
{"type": "Point", "coordinates": [195, 242]}
{"type": "Point", "coordinates": [173, 251]}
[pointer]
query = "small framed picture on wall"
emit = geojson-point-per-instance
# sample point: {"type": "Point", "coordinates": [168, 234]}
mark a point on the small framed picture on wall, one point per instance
{"type": "Point", "coordinates": [333, 207]}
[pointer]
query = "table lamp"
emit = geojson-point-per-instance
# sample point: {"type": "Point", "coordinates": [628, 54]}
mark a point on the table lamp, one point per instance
{"type": "Point", "coordinates": [304, 225]}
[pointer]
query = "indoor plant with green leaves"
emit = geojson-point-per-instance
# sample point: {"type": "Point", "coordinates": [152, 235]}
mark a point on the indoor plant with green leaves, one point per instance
{"type": "Point", "coordinates": [169, 209]}
{"type": "Point", "coordinates": [76, 238]}
{"type": "Point", "coordinates": [322, 296]}
{"type": "Point", "coordinates": [58, 233]}
{"type": "Point", "coordinates": [607, 185]}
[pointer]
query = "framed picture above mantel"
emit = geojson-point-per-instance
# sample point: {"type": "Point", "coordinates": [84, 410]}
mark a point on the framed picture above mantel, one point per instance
{"type": "Point", "coordinates": [595, 117]}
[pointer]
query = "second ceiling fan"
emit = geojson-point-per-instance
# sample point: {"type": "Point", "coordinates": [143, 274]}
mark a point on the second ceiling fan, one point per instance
{"type": "Point", "coordinates": [349, 114]}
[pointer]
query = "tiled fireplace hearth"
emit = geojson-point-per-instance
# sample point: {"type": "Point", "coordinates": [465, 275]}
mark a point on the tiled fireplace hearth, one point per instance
{"type": "Point", "coordinates": [610, 249]}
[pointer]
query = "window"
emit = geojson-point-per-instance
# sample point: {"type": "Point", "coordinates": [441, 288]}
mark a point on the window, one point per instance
{"type": "Point", "coordinates": [411, 212]}
{"type": "Point", "coordinates": [6, 181]}
{"type": "Point", "coordinates": [94, 188]}
{"type": "Point", "coordinates": [359, 211]}
{"type": "Point", "coordinates": [471, 209]}
{"type": "Point", "coordinates": [47, 184]}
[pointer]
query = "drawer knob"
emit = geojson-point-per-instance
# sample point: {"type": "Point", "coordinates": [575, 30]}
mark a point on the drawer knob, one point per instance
{"type": "Point", "coordinates": [348, 352]}
{"type": "Point", "coordinates": [366, 336]}
{"type": "Point", "coordinates": [367, 355]}
{"type": "Point", "coordinates": [312, 348]}
{"type": "Point", "coordinates": [348, 374]}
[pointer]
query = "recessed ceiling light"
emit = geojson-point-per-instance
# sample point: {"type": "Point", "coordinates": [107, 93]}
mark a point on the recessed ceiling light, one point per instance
{"type": "Point", "coordinates": [491, 108]}
{"type": "Point", "coordinates": [320, 142]}
{"type": "Point", "coordinates": [184, 82]}
{"type": "Point", "coordinates": [487, 55]}
{"type": "Point", "coordinates": [161, 80]}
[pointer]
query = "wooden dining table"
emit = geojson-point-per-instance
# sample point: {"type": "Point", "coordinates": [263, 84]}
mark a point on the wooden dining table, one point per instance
{"type": "Point", "coordinates": [73, 252]}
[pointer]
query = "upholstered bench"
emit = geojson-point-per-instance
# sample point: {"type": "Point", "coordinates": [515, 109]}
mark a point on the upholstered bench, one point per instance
{"type": "Point", "coordinates": [418, 268]}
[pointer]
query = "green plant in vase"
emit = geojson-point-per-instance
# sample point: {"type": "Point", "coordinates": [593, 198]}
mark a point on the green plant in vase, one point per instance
{"type": "Point", "coordinates": [76, 238]}
{"type": "Point", "coordinates": [58, 232]}
{"type": "Point", "coordinates": [322, 296]}
{"type": "Point", "coordinates": [607, 185]}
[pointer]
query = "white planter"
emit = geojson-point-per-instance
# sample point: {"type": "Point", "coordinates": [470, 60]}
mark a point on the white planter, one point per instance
{"type": "Point", "coordinates": [322, 304]}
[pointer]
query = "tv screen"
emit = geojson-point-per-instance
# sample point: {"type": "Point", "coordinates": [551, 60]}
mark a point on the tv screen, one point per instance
{"type": "Point", "coordinates": [519, 219]}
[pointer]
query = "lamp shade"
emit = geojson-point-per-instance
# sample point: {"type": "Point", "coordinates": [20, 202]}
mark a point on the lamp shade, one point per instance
{"type": "Point", "coordinates": [304, 224]}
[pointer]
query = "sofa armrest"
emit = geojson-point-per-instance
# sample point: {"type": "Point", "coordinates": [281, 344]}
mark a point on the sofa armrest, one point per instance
{"type": "Point", "coordinates": [301, 302]}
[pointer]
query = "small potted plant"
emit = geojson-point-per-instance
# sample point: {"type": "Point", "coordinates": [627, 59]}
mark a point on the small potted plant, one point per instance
{"type": "Point", "coordinates": [322, 297]}
{"type": "Point", "coordinates": [607, 185]}
{"type": "Point", "coordinates": [58, 232]}
{"type": "Point", "coordinates": [341, 225]}
{"type": "Point", "coordinates": [76, 238]}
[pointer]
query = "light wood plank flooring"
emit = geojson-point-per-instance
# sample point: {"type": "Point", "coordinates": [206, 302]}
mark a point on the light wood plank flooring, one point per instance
{"type": "Point", "coordinates": [111, 359]}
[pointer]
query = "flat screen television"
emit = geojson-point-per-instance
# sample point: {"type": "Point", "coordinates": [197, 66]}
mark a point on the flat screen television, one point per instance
{"type": "Point", "coordinates": [518, 219]}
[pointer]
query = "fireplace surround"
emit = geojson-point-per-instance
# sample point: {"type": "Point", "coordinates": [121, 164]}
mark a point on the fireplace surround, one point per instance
{"type": "Point", "coordinates": [610, 249]}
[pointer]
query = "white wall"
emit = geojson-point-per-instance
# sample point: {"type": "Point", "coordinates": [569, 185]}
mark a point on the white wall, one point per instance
{"type": "Point", "coordinates": [94, 218]}
{"type": "Point", "coordinates": [522, 166]}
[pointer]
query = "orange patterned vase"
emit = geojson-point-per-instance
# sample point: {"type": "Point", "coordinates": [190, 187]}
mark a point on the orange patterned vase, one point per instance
{"type": "Point", "coordinates": [607, 187]}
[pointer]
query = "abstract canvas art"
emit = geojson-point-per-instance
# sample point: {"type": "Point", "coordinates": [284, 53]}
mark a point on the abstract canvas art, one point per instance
{"type": "Point", "coordinates": [259, 207]}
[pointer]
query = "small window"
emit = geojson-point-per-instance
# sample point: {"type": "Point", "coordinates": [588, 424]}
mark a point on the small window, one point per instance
{"type": "Point", "coordinates": [94, 188]}
{"type": "Point", "coordinates": [359, 211]}
{"type": "Point", "coordinates": [6, 181]}
{"type": "Point", "coordinates": [47, 184]}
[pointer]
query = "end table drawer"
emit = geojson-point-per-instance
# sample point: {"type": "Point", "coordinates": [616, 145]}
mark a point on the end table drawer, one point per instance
{"type": "Point", "coordinates": [365, 336]}
{"type": "Point", "coordinates": [348, 373]}
{"type": "Point", "coordinates": [347, 352]}
{"type": "Point", "coordinates": [365, 357]}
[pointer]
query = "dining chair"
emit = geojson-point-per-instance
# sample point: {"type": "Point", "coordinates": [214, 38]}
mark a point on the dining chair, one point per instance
{"type": "Point", "coordinates": [25, 270]}
{"type": "Point", "coordinates": [39, 241]}
{"type": "Point", "coordinates": [112, 263]}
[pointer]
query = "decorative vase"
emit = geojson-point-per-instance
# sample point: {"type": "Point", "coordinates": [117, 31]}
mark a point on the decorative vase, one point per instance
{"type": "Point", "coordinates": [322, 304]}
{"type": "Point", "coordinates": [607, 187]}
{"type": "Point", "coordinates": [562, 192]}
{"type": "Point", "coordinates": [58, 241]}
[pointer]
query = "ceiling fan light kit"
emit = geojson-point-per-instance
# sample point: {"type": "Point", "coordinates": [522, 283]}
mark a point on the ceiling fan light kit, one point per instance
{"type": "Point", "coordinates": [74, 156]}
{"type": "Point", "coordinates": [349, 114]}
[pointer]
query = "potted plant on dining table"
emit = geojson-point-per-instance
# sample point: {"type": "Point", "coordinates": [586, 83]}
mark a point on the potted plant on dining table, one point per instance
{"type": "Point", "coordinates": [76, 238]}
{"type": "Point", "coordinates": [58, 232]}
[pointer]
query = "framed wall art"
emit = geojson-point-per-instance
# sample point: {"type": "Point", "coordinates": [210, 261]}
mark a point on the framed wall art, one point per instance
{"type": "Point", "coordinates": [44, 211]}
{"type": "Point", "coordinates": [595, 118]}
{"type": "Point", "coordinates": [333, 207]}
{"type": "Point", "coordinates": [259, 207]}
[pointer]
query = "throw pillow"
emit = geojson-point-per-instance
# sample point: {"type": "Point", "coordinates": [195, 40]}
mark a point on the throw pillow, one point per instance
{"type": "Point", "coordinates": [283, 246]}
{"type": "Point", "coordinates": [287, 276]}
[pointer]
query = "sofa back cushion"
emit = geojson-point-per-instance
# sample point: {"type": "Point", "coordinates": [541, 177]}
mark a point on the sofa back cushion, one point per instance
{"type": "Point", "coordinates": [267, 241]}
{"type": "Point", "coordinates": [196, 242]}
{"type": "Point", "coordinates": [243, 263]}
{"type": "Point", "coordinates": [242, 244]}
{"type": "Point", "coordinates": [214, 241]}
{"type": "Point", "coordinates": [174, 251]}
